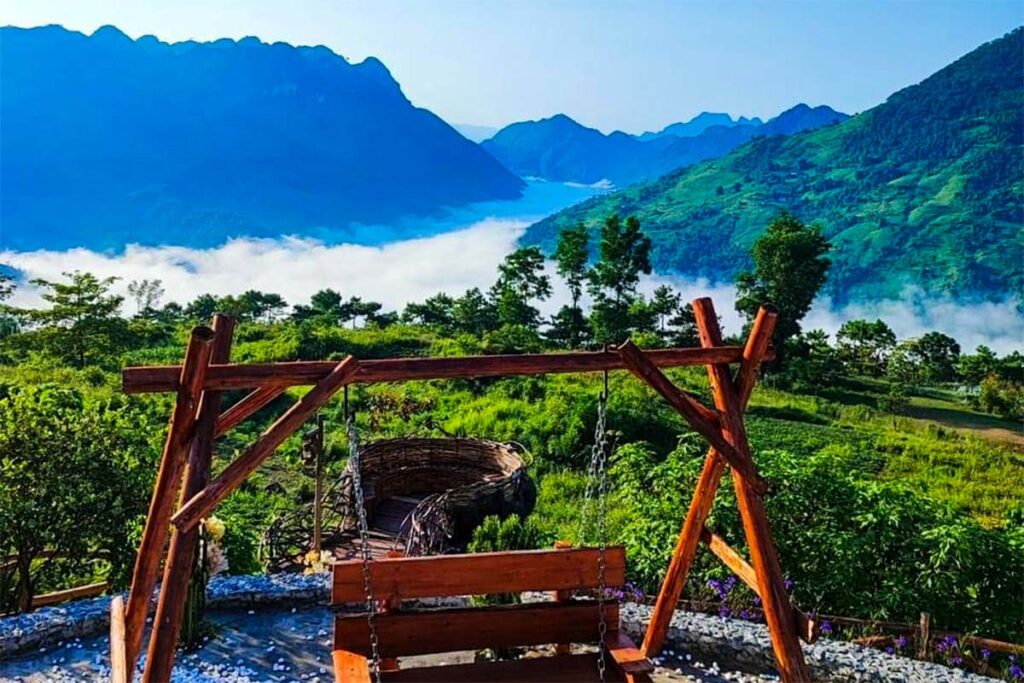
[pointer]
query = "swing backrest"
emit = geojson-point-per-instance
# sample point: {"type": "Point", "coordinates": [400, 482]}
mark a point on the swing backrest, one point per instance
{"type": "Point", "coordinates": [408, 630]}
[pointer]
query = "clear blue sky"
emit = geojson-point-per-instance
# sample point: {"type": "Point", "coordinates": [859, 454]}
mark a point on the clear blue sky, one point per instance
{"type": "Point", "coordinates": [629, 65]}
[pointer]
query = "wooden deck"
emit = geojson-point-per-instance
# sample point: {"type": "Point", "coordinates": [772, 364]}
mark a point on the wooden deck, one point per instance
{"type": "Point", "coordinates": [388, 528]}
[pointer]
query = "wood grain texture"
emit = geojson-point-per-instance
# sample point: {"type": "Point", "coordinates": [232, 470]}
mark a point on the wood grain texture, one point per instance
{"type": "Point", "coordinates": [558, 669]}
{"type": "Point", "coordinates": [163, 378]}
{"type": "Point", "coordinates": [479, 573]}
{"type": "Point", "coordinates": [165, 490]}
{"type": "Point", "coordinates": [170, 607]}
{"type": "Point", "coordinates": [704, 492]}
{"type": "Point", "coordinates": [777, 608]}
{"type": "Point", "coordinates": [350, 667]}
{"type": "Point", "coordinates": [249, 404]}
{"type": "Point", "coordinates": [202, 504]}
{"type": "Point", "coordinates": [402, 634]}
{"type": "Point", "coordinates": [118, 656]}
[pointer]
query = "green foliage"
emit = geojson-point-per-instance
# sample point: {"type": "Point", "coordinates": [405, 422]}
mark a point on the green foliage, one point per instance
{"type": "Point", "coordinates": [789, 269]}
{"type": "Point", "coordinates": [521, 280]}
{"type": "Point", "coordinates": [1003, 398]}
{"type": "Point", "coordinates": [74, 479]}
{"type": "Point", "coordinates": [865, 346]}
{"type": "Point", "coordinates": [623, 254]}
{"type": "Point", "coordinates": [512, 533]}
{"type": "Point", "coordinates": [924, 188]}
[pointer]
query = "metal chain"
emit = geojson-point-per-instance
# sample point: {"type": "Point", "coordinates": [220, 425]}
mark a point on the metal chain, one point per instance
{"type": "Point", "coordinates": [364, 538]}
{"type": "Point", "coordinates": [597, 480]}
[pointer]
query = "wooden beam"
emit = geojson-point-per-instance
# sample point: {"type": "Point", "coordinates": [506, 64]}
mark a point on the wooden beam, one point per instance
{"type": "Point", "coordinates": [350, 667]}
{"type": "Point", "coordinates": [245, 408]}
{"type": "Point", "coordinates": [704, 421]}
{"type": "Point", "coordinates": [777, 609]}
{"type": "Point", "coordinates": [181, 557]}
{"type": "Point", "coordinates": [808, 629]}
{"type": "Point", "coordinates": [627, 658]}
{"type": "Point", "coordinates": [138, 380]}
{"type": "Point", "coordinates": [57, 597]}
{"type": "Point", "coordinates": [118, 658]}
{"type": "Point", "coordinates": [704, 492]}
{"type": "Point", "coordinates": [205, 501]}
{"type": "Point", "coordinates": [402, 634]}
{"type": "Point", "coordinates": [557, 669]}
{"type": "Point", "coordinates": [165, 490]}
{"type": "Point", "coordinates": [409, 578]}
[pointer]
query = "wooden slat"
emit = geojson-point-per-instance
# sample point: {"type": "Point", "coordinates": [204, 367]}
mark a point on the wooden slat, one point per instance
{"type": "Point", "coordinates": [170, 608]}
{"type": "Point", "coordinates": [118, 656]}
{"type": "Point", "coordinates": [165, 490]}
{"type": "Point", "coordinates": [479, 573]}
{"type": "Point", "coordinates": [778, 611]}
{"type": "Point", "coordinates": [449, 630]}
{"type": "Point", "coordinates": [559, 669]}
{"type": "Point", "coordinates": [703, 421]}
{"type": "Point", "coordinates": [87, 591]}
{"type": "Point", "coordinates": [202, 503]}
{"type": "Point", "coordinates": [350, 667]}
{"type": "Point", "coordinates": [704, 492]}
{"type": "Point", "coordinates": [808, 629]}
{"type": "Point", "coordinates": [626, 656]}
{"type": "Point", "coordinates": [161, 378]}
{"type": "Point", "coordinates": [252, 402]}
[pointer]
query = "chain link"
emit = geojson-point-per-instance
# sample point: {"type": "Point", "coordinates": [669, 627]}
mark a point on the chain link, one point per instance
{"type": "Point", "coordinates": [364, 538]}
{"type": "Point", "coordinates": [597, 481]}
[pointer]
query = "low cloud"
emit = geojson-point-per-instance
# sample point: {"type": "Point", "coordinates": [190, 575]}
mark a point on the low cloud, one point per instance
{"type": "Point", "coordinates": [413, 269]}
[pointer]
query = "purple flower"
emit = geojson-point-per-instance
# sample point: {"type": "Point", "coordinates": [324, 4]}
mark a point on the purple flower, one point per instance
{"type": "Point", "coordinates": [826, 627]}
{"type": "Point", "coordinates": [985, 653]}
{"type": "Point", "coordinates": [757, 601]}
{"type": "Point", "coordinates": [724, 611]}
{"type": "Point", "coordinates": [901, 643]}
{"type": "Point", "coordinates": [788, 583]}
{"type": "Point", "coordinates": [890, 650]}
{"type": "Point", "coordinates": [1016, 672]}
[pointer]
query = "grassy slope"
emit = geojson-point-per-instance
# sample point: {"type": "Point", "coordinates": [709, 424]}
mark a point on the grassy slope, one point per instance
{"type": "Point", "coordinates": [923, 189]}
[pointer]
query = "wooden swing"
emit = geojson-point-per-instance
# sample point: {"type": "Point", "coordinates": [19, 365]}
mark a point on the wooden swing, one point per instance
{"type": "Point", "coordinates": [197, 421]}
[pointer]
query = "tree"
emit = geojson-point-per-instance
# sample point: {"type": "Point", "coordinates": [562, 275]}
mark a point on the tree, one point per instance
{"type": "Point", "coordinates": [684, 327]}
{"type": "Point", "coordinates": [977, 366]}
{"type": "Point", "coordinates": [202, 308]}
{"type": "Point", "coordinates": [938, 355]}
{"type": "Point", "coordinates": [74, 479]}
{"type": "Point", "coordinates": [569, 328]}
{"type": "Point", "coordinates": [325, 305]}
{"type": "Point", "coordinates": [623, 254]}
{"type": "Point", "coordinates": [521, 280]}
{"type": "Point", "coordinates": [82, 325]}
{"type": "Point", "coordinates": [473, 313]}
{"type": "Point", "coordinates": [664, 302]}
{"type": "Point", "coordinates": [147, 294]}
{"type": "Point", "coordinates": [356, 308]}
{"type": "Point", "coordinates": [437, 311]}
{"type": "Point", "coordinates": [790, 268]}
{"type": "Point", "coordinates": [864, 346]}
{"type": "Point", "coordinates": [571, 255]}
{"type": "Point", "coordinates": [8, 320]}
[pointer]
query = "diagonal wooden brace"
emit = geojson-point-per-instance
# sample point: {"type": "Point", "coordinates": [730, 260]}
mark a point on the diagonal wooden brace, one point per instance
{"type": "Point", "coordinates": [704, 421]}
{"type": "Point", "coordinates": [754, 352]}
{"type": "Point", "coordinates": [234, 474]}
{"type": "Point", "coordinates": [777, 608]}
{"type": "Point", "coordinates": [168, 481]}
{"type": "Point", "coordinates": [807, 628]}
{"type": "Point", "coordinates": [245, 408]}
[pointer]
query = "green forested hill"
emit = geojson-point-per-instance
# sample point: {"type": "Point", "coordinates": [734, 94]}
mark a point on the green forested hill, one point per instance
{"type": "Point", "coordinates": [924, 189]}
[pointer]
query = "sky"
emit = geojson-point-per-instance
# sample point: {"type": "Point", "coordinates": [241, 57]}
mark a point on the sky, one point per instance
{"type": "Point", "coordinates": [626, 65]}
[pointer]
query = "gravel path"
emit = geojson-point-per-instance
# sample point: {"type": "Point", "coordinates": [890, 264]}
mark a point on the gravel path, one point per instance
{"type": "Point", "coordinates": [280, 645]}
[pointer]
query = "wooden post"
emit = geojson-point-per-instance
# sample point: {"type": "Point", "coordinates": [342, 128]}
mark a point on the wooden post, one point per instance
{"type": "Point", "coordinates": [172, 463]}
{"type": "Point", "coordinates": [777, 609]}
{"type": "Point", "coordinates": [704, 493]}
{"type": "Point", "coordinates": [924, 636]}
{"type": "Point", "coordinates": [182, 554]}
{"type": "Point", "coordinates": [118, 662]}
{"type": "Point", "coordinates": [205, 501]}
{"type": "Point", "coordinates": [318, 484]}
{"type": "Point", "coordinates": [242, 410]}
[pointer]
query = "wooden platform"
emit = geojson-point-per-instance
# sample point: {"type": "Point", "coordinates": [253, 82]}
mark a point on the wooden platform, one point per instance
{"type": "Point", "coordinates": [388, 528]}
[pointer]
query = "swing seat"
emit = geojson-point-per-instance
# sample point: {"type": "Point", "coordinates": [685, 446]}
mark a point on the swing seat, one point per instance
{"type": "Point", "coordinates": [403, 632]}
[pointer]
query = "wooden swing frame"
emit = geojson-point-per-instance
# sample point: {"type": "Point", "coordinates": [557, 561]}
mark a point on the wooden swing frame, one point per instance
{"type": "Point", "coordinates": [184, 492]}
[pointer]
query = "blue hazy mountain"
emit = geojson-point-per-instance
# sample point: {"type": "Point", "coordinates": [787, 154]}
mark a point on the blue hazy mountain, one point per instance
{"type": "Point", "coordinates": [698, 124]}
{"type": "Point", "coordinates": [474, 132]}
{"type": "Point", "coordinates": [108, 140]}
{"type": "Point", "coordinates": [561, 149]}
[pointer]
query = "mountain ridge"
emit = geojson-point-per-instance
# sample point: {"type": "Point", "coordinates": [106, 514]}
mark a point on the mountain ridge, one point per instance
{"type": "Point", "coordinates": [921, 191]}
{"type": "Point", "coordinates": [109, 140]}
{"type": "Point", "coordinates": [561, 149]}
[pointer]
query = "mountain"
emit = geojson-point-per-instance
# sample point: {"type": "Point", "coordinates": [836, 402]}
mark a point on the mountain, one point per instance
{"type": "Point", "coordinates": [698, 124]}
{"type": "Point", "coordinates": [108, 140]}
{"type": "Point", "coordinates": [560, 149]}
{"type": "Point", "coordinates": [474, 132]}
{"type": "Point", "coordinates": [924, 190]}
